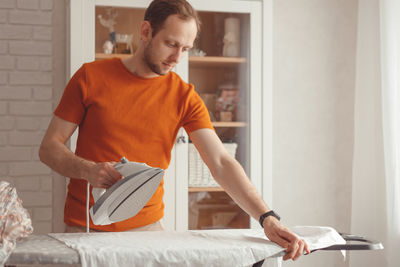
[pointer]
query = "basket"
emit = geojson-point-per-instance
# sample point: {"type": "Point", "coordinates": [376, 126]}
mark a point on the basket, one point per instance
{"type": "Point", "coordinates": [199, 174]}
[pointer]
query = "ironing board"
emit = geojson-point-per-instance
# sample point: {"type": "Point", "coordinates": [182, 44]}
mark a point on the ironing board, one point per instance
{"type": "Point", "coordinates": [38, 250]}
{"type": "Point", "coordinates": [187, 248]}
{"type": "Point", "coordinates": [43, 250]}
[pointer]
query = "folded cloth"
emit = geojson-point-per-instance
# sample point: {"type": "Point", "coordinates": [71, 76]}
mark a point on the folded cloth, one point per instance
{"type": "Point", "coordinates": [238, 247]}
{"type": "Point", "coordinates": [15, 222]}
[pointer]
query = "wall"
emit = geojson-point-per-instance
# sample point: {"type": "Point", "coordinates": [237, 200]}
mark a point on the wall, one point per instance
{"type": "Point", "coordinates": [30, 67]}
{"type": "Point", "coordinates": [313, 115]}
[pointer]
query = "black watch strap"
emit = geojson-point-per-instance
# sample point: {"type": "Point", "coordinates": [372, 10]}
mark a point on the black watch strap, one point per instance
{"type": "Point", "coordinates": [265, 215]}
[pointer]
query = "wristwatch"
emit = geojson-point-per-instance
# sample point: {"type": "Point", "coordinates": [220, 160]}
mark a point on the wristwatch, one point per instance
{"type": "Point", "coordinates": [265, 215]}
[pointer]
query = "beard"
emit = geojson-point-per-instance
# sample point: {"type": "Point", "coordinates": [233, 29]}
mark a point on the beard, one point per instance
{"type": "Point", "coordinates": [151, 62]}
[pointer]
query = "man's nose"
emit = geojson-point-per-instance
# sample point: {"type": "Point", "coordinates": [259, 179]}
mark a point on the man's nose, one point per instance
{"type": "Point", "coordinates": [177, 55]}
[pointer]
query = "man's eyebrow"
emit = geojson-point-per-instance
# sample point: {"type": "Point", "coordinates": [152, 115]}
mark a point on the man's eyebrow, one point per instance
{"type": "Point", "coordinates": [178, 43]}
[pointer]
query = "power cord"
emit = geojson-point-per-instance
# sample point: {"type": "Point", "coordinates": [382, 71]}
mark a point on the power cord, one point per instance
{"type": "Point", "coordinates": [87, 206]}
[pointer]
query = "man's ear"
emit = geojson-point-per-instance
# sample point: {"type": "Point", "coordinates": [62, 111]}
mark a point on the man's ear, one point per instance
{"type": "Point", "coordinates": [145, 31]}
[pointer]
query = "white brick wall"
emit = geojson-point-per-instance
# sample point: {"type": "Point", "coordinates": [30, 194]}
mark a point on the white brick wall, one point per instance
{"type": "Point", "coordinates": [28, 4]}
{"type": "Point", "coordinates": [15, 92]}
{"type": "Point", "coordinates": [38, 48]}
{"type": "Point", "coordinates": [3, 107]}
{"type": "Point", "coordinates": [3, 47]}
{"type": "Point", "coordinates": [15, 32]}
{"type": "Point", "coordinates": [26, 95]}
{"type": "Point", "coordinates": [7, 3]}
{"type": "Point", "coordinates": [3, 77]}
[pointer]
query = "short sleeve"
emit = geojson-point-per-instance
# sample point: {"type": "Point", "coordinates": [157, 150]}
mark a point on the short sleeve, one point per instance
{"type": "Point", "coordinates": [196, 115]}
{"type": "Point", "coordinates": [72, 104]}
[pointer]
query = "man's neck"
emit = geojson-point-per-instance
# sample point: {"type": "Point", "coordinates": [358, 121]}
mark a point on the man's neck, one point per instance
{"type": "Point", "coordinates": [136, 65]}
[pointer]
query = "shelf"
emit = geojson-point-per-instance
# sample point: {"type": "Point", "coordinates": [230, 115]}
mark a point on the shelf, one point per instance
{"type": "Point", "coordinates": [229, 124]}
{"type": "Point", "coordinates": [206, 189]}
{"type": "Point", "coordinates": [215, 61]}
{"type": "Point", "coordinates": [104, 56]}
{"type": "Point", "coordinates": [195, 61]}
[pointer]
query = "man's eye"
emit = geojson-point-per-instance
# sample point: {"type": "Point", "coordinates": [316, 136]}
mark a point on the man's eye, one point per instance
{"type": "Point", "coordinates": [170, 45]}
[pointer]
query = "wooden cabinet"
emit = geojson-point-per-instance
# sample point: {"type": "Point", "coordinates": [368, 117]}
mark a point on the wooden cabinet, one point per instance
{"type": "Point", "coordinates": [232, 84]}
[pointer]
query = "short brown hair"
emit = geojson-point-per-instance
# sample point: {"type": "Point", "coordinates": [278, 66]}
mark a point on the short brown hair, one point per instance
{"type": "Point", "coordinates": [159, 10]}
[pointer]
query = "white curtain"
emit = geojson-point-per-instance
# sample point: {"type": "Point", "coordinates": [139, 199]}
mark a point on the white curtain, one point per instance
{"type": "Point", "coordinates": [390, 66]}
{"type": "Point", "coordinates": [376, 162]}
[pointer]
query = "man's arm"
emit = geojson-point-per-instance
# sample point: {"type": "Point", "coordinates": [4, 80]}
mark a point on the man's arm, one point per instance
{"type": "Point", "coordinates": [231, 176]}
{"type": "Point", "coordinates": [54, 153]}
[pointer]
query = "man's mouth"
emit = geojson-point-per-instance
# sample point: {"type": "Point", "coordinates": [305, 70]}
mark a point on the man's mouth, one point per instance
{"type": "Point", "coordinates": [167, 65]}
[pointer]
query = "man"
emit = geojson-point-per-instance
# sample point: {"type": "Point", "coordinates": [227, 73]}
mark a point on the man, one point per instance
{"type": "Point", "coordinates": [134, 108]}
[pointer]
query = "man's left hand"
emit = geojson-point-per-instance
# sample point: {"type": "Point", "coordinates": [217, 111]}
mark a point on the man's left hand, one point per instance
{"type": "Point", "coordinates": [281, 235]}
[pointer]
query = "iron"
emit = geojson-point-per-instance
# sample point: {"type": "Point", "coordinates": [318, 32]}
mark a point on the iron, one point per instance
{"type": "Point", "coordinates": [128, 196]}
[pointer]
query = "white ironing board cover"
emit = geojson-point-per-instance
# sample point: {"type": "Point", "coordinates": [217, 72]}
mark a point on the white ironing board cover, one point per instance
{"type": "Point", "coordinates": [238, 247]}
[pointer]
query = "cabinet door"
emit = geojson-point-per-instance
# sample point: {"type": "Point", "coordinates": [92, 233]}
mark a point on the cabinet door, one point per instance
{"type": "Point", "coordinates": [225, 68]}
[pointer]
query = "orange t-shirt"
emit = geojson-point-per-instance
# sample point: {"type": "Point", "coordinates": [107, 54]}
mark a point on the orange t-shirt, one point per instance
{"type": "Point", "coordinates": [120, 114]}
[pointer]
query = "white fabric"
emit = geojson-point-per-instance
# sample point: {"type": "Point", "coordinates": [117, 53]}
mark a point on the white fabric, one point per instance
{"type": "Point", "coordinates": [15, 222]}
{"type": "Point", "coordinates": [240, 247]}
{"type": "Point", "coordinates": [390, 69]}
{"type": "Point", "coordinates": [376, 163]}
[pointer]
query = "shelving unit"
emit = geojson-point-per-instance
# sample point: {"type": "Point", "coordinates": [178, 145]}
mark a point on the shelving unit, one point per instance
{"type": "Point", "coordinates": [193, 60]}
{"type": "Point", "coordinates": [214, 67]}
{"type": "Point", "coordinates": [215, 208]}
{"type": "Point", "coordinates": [206, 189]}
{"type": "Point", "coordinates": [105, 56]}
{"type": "Point", "coordinates": [215, 61]}
{"type": "Point", "coordinates": [229, 124]}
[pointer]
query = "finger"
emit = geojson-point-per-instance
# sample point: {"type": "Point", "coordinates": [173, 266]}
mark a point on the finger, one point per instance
{"type": "Point", "coordinates": [113, 163]}
{"type": "Point", "coordinates": [107, 184]}
{"type": "Point", "coordinates": [306, 247]}
{"type": "Point", "coordinates": [105, 179]}
{"type": "Point", "coordinates": [112, 172]}
{"type": "Point", "coordinates": [280, 241]}
{"type": "Point", "coordinates": [102, 179]}
{"type": "Point", "coordinates": [299, 250]}
{"type": "Point", "coordinates": [288, 235]}
{"type": "Point", "coordinates": [286, 257]}
{"type": "Point", "coordinates": [292, 250]}
{"type": "Point", "coordinates": [291, 239]}
{"type": "Point", "coordinates": [102, 183]}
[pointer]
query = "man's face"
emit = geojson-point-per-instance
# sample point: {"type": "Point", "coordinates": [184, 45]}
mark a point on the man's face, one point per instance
{"type": "Point", "coordinates": [170, 44]}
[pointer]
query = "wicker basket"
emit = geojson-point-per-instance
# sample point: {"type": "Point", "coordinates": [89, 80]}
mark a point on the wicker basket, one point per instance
{"type": "Point", "coordinates": [199, 174]}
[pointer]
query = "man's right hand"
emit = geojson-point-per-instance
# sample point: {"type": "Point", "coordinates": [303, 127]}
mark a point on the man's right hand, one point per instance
{"type": "Point", "coordinates": [102, 174]}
